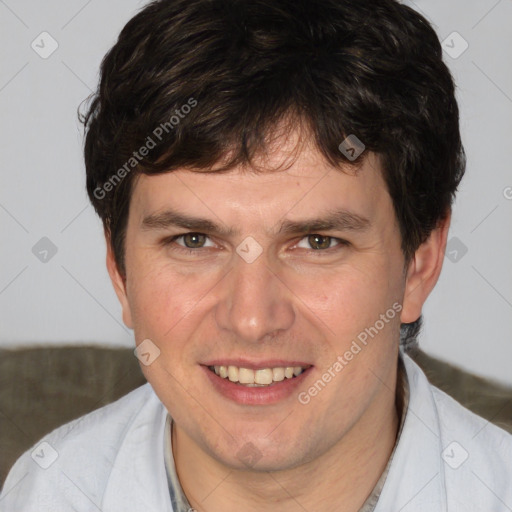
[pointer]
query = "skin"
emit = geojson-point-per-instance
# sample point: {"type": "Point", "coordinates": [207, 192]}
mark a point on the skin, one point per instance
{"type": "Point", "coordinates": [293, 303]}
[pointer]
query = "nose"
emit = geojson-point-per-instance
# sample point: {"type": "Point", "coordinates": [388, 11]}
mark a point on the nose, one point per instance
{"type": "Point", "coordinates": [254, 302]}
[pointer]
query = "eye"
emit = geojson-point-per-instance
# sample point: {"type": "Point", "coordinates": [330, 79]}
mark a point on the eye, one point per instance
{"type": "Point", "coordinates": [320, 242]}
{"type": "Point", "coordinates": [190, 241]}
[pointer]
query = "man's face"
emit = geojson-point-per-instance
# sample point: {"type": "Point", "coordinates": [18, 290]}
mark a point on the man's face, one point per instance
{"type": "Point", "coordinates": [265, 298]}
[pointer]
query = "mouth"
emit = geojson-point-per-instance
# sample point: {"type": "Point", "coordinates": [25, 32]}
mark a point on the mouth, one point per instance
{"type": "Point", "coordinates": [250, 382]}
{"type": "Point", "coordinates": [261, 377]}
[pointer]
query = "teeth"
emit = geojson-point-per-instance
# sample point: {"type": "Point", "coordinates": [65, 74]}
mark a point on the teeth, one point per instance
{"type": "Point", "coordinates": [297, 370]}
{"type": "Point", "coordinates": [233, 373]}
{"type": "Point", "coordinates": [257, 378]}
{"type": "Point", "coordinates": [246, 376]}
{"type": "Point", "coordinates": [263, 376]}
{"type": "Point", "coordinates": [277, 374]}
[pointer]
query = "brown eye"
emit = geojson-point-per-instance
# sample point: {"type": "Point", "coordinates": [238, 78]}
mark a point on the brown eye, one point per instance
{"type": "Point", "coordinates": [194, 240]}
{"type": "Point", "coordinates": [318, 242]}
{"type": "Point", "coordinates": [190, 244]}
{"type": "Point", "coordinates": [322, 244]}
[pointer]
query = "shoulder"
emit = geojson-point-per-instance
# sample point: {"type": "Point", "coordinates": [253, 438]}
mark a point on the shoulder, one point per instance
{"type": "Point", "coordinates": [475, 455]}
{"type": "Point", "coordinates": [73, 463]}
{"type": "Point", "coordinates": [483, 437]}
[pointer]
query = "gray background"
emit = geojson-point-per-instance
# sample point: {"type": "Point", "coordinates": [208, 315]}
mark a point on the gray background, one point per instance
{"type": "Point", "coordinates": [66, 296]}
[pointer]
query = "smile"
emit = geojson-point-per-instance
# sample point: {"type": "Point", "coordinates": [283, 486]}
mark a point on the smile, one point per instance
{"type": "Point", "coordinates": [257, 378]}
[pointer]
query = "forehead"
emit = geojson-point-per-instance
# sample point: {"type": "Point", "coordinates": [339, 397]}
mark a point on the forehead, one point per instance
{"type": "Point", "coordinates": [276, 190]}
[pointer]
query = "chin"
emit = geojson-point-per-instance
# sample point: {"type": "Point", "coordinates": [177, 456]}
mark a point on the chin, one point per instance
{"type": "Point", "coordinates": [260, 454]}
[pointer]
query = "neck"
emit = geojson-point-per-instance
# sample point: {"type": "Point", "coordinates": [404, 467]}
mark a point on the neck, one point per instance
{"type": "Point", "coordinates": [340, 479]}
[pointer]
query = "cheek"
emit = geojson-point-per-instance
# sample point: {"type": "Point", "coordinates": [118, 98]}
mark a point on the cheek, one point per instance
{"type": "Point", "coordinates": [348, 299]}
{"type": "Point", "coordinates": [160, 299]}
{"type": "Point", "coordinates": [172, 307]}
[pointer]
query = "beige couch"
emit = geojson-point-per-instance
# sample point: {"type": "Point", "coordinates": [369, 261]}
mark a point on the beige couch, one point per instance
{"type": "Point", "coordinates": [42, 388]}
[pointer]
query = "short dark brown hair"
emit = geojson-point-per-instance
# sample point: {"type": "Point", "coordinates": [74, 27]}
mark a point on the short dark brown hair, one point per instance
{"type": "Point", "coordinates": [212, 78]}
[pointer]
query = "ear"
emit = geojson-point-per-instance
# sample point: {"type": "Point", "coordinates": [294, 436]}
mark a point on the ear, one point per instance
{"type": "Point", "coordinates": [424, 270]}
{"type": "Point", "coordinates": [119, 283]}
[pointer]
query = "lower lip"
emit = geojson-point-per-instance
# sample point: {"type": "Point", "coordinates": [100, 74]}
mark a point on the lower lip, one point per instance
{"type": "Point", "coordinates": [255, 395]}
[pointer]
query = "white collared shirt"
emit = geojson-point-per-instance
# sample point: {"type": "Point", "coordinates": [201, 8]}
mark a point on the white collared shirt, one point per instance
{"type": "Point", "coordinates": [447, 459]}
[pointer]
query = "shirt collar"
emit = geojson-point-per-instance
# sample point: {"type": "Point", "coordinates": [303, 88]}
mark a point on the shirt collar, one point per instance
{"type": "Point", "coordinates": [402, 404]}
{"type": "Point", "coordinates": [178, 499]}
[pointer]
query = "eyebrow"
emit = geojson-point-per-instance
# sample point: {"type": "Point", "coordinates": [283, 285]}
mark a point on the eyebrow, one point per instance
{"type": "Point", "coordinates": [337, 220]}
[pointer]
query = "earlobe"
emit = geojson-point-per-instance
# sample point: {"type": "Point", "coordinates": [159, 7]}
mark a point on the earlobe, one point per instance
{"type": "Point", "coordinates": [423, 271]}
{"type": "Point", "coordinates": [119, 283]}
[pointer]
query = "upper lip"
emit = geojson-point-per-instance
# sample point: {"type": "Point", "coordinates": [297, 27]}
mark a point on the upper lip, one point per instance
{"type": "Point", "coordinates": [256, 365]}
